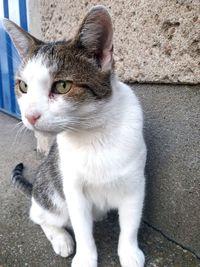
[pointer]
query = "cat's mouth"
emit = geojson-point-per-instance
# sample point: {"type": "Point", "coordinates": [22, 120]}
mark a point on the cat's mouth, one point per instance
{"type": "Point", "coordinates": [44, 127]}
{"type": "Point", "coordinates": [60, 124]}
{"type": "Point", "coordinates": [51, 129]}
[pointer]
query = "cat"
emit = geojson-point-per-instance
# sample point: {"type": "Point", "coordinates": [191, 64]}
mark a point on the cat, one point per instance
{"type": "Point", "coordinates": [69, 88]}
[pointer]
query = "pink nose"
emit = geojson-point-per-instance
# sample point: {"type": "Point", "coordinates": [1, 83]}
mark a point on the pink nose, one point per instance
{"type": "Point", "coordinates": [32, 118]}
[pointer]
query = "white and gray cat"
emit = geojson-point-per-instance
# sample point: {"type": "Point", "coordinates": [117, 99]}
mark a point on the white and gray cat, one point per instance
{"type": "Point", "coordinates": [97, 161]}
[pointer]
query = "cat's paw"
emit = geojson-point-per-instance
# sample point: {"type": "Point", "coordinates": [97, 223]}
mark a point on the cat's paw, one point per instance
{"type": "Point", "coordinates": [84, 261]}
{"type": "Point", "coordinates": [63, 245]}
{"type": "Point", "coordinates": [131, 257]}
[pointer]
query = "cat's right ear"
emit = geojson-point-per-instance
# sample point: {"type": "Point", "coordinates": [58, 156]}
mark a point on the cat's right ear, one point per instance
{"type": "Point", "coordinates": [95, 35]}
{"type": "Point", "coordinates": [22, 40]}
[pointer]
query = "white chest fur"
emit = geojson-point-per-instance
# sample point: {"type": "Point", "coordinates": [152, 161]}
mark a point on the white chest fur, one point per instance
{"type": "Point", "coordinates": [106, 159]}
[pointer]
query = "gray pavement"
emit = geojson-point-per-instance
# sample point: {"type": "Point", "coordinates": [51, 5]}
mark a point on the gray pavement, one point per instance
{"type": "Point", "coordinates": [23, 244]}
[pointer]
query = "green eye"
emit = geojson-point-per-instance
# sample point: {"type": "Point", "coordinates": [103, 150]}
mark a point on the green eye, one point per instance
{"type": "Point", "coordinates": [61, 87]}
{"type": "Point", "coordinates": [23, 87]}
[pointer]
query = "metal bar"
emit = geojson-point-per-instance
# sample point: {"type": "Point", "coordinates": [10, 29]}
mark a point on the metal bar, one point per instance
{"type": "Point", "coordinates": [10, 90]}
{"type": "Point", "coordinates": [1, 87]}
{"type": "Point", "coordinates": [11, 114]}
{"type": "Point", "coordinates": [23, 14]}
{"type": "Point", "coordinates": [4, 61]}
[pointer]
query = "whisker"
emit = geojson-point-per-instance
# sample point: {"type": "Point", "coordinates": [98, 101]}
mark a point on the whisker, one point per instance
{"type": "Point", "coordinates": [17, 125]}
{"type": "Point", "coordinates": [18, 134]}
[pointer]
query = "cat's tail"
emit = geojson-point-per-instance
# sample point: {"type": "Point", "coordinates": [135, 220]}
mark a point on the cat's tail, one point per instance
{"type": "Point", "coordinates": [20, 182]}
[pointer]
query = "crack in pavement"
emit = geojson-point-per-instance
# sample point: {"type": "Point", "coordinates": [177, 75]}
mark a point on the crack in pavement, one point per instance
{"type": "Point", "coordinates": [170, 239]}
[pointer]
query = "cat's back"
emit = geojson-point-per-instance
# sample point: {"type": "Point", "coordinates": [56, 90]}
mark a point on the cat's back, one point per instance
{"type": "Point", "coordinates": [129, 104]}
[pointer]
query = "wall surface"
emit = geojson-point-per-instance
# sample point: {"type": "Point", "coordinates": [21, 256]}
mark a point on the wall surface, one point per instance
{"type": "Point", "coordinates": [154, 41]}
{"type": "Point", "coordinates": [172, 131]}
{"type": "Point", "coordinates": [34, 18]}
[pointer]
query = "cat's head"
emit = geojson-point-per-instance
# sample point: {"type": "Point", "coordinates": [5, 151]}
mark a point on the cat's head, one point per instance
{"type": "Point", "coordinates": [65, 84]}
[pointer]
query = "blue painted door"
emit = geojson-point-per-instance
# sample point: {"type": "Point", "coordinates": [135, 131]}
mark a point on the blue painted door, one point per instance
{"type": "Point", "coordinates": [9, 59]}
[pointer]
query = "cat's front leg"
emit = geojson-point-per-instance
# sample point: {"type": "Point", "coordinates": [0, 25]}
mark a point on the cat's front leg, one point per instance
{"type": "Point", "coordinates": [130, 211]}
{"type": "Point", "coordinates": [80, 211]}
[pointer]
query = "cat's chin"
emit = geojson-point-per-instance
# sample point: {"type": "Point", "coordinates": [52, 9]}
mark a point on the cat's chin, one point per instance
{"type": "Point", "coordinates": [28, 126]}
{"type": "Point", "coordinates": [47, 131]}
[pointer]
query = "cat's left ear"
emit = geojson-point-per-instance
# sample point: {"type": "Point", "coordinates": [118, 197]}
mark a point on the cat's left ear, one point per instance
{"type": "Point", "coordinates": [22, 40]}
{"type": "Point", "coordinates": [96, 36]}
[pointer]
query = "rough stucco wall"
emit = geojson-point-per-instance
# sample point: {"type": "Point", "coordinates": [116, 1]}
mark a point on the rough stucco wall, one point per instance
{"type": "Point", "coordinates": [154, 41]}
{"type": "Point", "coordinates": [34, 18]}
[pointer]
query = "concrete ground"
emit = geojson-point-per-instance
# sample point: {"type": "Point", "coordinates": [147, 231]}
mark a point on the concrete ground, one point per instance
{"type": "Point", "coordinates": [23, 244]}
